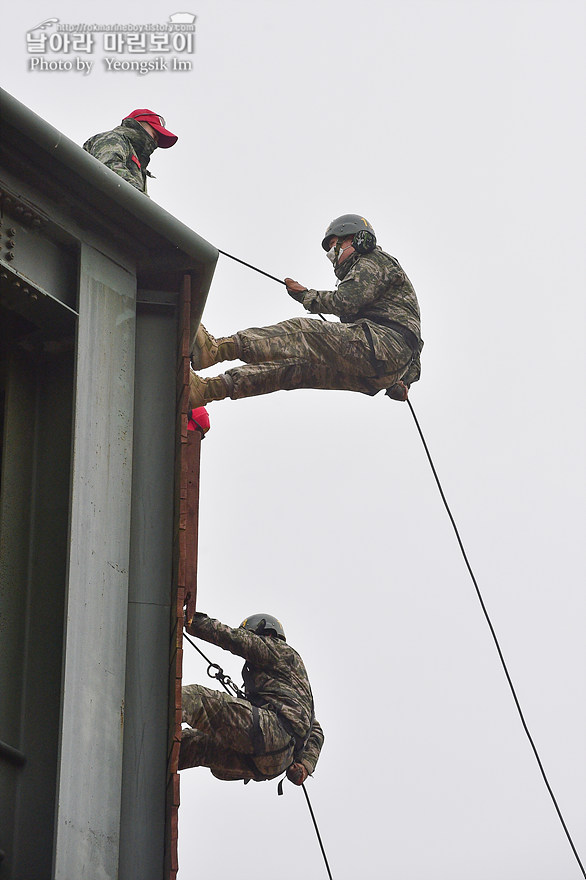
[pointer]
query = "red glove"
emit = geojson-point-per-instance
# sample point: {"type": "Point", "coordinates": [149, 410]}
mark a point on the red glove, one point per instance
{"type": "Point", "coordinates": [198, 420]}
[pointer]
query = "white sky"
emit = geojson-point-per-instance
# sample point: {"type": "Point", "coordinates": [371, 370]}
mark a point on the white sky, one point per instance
{"type": "Point", "coordinates": [457, 129]}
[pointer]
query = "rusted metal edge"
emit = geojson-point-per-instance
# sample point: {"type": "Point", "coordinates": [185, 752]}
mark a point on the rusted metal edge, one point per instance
{"type": "Point", "coordinates": [187, 467]}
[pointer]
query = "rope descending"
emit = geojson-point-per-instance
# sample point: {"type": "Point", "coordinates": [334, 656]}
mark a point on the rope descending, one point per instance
{"type": "Point", "coordinates": [496, 642]}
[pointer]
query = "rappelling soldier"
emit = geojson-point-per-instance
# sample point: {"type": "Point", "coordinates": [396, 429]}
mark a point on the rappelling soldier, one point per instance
{"type": "Point", "coordinates": [376, 344]}
{"type": "Point", "coordinates": [272, 729]}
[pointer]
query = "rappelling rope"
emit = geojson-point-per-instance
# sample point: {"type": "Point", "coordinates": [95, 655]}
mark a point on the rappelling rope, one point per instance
{"type": "Point", "coordinates": [496, 641]}
{"type": "Point", "coordinates": [323, 852]}
{"type": "Point", "coordinates": [321, 846]}
{"type": "Point", "coordinates": [229, 686]}
{"type": "Point", "coordinates": [261, 271]}
{"type": "Point", "coordinates": [250, 266]}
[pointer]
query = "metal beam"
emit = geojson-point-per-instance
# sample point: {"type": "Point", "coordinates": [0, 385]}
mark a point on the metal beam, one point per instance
{"type": "Point", "coordinates": [90, 771]}
{"type": "Point", "coordinates": [142, 835]}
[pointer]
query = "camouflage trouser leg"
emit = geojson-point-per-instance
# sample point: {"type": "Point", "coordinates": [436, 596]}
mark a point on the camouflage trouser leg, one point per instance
{"type": "Point", "coordinates": [225, 738]}
{"type": "Point", "coordinates": [310, 353]}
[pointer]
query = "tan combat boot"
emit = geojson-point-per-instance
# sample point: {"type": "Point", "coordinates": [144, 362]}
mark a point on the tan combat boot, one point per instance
{"type": "Point", "coordinates": [207, 350]}
{"type": "Point", "coordinates": [202, 391]}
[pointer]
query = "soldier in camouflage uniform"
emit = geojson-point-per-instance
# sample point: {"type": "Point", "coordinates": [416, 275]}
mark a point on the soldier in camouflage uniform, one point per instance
{"type": "Point", "coordinates": [376, 345]}
{"type": "Point", "coordinates": [127, 148]}
{"type": "Point", "coordinates": [272, 729]}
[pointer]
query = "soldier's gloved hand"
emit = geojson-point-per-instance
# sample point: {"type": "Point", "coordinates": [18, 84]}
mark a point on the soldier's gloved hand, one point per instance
{"type": "Point", "coordinates": [297, 773]}
{"type": "Point", "coordinates": [398, 391]}
{"type": "Point", "coordinates": [191, 627]}
{"type": "Point", "coordinates": [296, 290]}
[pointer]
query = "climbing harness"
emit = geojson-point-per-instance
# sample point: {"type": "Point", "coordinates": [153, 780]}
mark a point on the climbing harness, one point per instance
{"type": "Point", "coordinates": [496, 641]}
{"type": "Point", "coordinates": [298, 741]}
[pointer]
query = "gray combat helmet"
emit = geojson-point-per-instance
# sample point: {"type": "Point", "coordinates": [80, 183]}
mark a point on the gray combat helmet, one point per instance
{"type": "Point", "coordinates": [364, 239]}
{"type": "Point", "coordinates": [264, 625]}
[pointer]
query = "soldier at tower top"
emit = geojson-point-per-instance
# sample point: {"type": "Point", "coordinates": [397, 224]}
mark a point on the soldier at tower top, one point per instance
{"type": "Point", "coordinates": [127, 148]}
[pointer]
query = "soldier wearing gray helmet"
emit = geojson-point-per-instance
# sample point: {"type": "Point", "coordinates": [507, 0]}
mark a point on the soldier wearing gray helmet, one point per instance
{"type": "Point", "coordinates": [376, 345]}
{"type": "Point", "coordinates": [273, 728]}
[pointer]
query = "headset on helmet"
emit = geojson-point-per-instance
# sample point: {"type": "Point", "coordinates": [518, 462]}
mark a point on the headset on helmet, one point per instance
{"type": "Point", "coordinates": [364, 240]}
{"type": "Point", "coordinates": [264, 625]}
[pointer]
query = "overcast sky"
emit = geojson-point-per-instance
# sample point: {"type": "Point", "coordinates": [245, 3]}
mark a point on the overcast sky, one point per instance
{"type": "Point", "coordinates": [457, 128]}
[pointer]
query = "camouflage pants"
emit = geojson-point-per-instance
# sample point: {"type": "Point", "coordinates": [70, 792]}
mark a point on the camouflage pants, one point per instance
{"type": "Point", "coordinates": [310, 353]}
{"type": "Point", "coordinates": [229, 740]}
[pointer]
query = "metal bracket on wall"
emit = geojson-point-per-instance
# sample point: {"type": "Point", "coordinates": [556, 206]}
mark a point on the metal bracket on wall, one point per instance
{"type": "Point", "coordinates": [14, 212]}
{"type": "Point", "coordinates": [21, 209]}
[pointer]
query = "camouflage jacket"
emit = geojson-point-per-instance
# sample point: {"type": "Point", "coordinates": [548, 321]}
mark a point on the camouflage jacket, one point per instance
{"type": "Point", "coordinates": [372, 286]}
{"type": "Point", "coordinates": [274, 677]}
{"type": "Point", "coordinates": [126, 150]}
